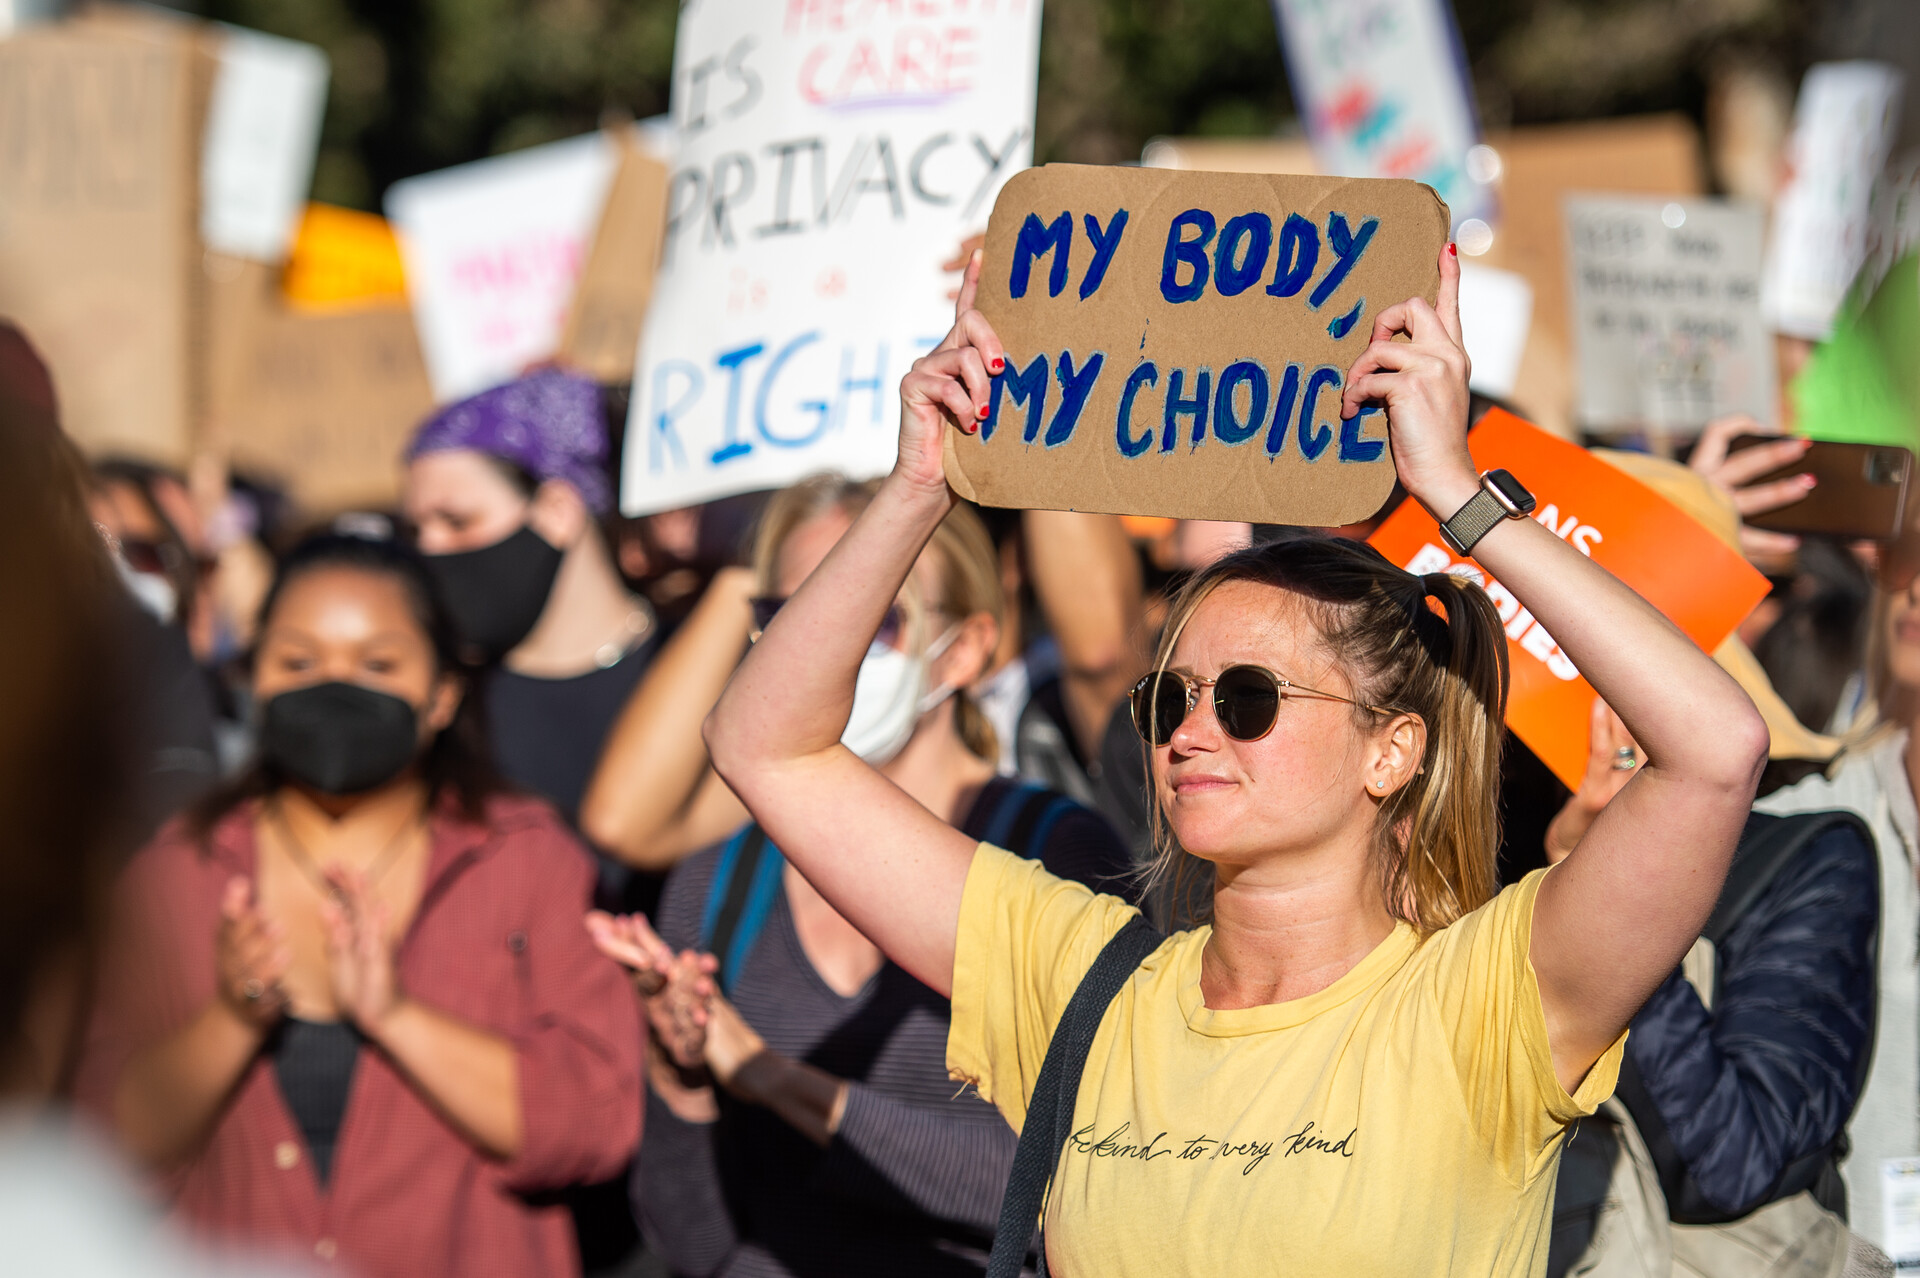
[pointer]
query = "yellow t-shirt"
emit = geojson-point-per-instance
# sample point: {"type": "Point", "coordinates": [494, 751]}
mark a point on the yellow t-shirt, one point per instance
{"type": "Point", "coordinates": [1405, 1120]}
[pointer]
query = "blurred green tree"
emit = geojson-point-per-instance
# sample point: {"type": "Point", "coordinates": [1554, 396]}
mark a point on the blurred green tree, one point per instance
{"type": "Point", "coordinates": [421, 84]}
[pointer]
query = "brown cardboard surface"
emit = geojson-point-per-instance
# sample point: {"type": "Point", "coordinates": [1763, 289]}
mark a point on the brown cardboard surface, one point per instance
{"type": "Point", "coordinates": [602, 334]}
{"type": "Point", "coordinates": [98, 186]}
{"type": "Point", "coordinates": [1127, 325]}
{"type": "Point", "coordinates": [1540, 164]}
{"type": "Point", "coordinates": [319, 402]}
{"type": "Point", "coordinates": [1650, 155]}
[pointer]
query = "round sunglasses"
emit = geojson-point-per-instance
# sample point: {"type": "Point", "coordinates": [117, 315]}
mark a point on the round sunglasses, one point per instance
{"type": "Point", "coordinates": [1246, 700]}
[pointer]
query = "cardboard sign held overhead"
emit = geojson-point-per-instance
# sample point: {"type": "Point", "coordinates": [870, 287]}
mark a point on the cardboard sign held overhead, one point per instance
{"type": "Point", "coordinates": [1666, 310]}
{"type": "Point", "coordinates": [602, 332]}
{"type": "Point", "coordinates": [319, 402]}
{"type": "Point", "coordinates": [829, 157]}
{"type": "Point", "coordinates": [97, 246]}
{"type": "Point", "coordinates": [1700, 583]}
{"type": "Point", "coordinates": [492, 250]}
{"type": "Point", "coordinates": [1177, 343]}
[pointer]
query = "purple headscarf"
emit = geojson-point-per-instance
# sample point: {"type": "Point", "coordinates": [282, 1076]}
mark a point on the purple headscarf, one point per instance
{"type": "Point", "coordinates": [549, 423]}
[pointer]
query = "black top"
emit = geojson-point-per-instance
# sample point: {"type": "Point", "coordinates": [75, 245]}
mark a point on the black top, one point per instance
{"type": "Point", "coordinates": [547, 733]}
{"type": "Point", "coordinates": [313, 1061]}
{"type": "Point", "coordinates": [911, 1183]}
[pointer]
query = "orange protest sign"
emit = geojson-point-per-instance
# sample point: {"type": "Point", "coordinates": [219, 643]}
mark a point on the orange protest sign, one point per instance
{"type": "Point", "coordinates": [1674, 563]}
{"type": "Point", "coordinates": [342, 258]}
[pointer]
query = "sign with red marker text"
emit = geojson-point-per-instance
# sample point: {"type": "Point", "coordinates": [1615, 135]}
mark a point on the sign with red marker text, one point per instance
{"type": "Point", "coordinates": [830, 156]}
{"type": "Point", "coordinates": [1700, 583]}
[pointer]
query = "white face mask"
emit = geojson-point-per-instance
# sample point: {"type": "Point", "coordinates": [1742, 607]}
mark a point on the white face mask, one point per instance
{"type": "Point", "coordinates": [889, 697]}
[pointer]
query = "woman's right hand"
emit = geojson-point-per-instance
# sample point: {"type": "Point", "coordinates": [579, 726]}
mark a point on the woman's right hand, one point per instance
{"type": "Point", "coordinates": [951, 384]}
{"type": "Point", "coordinates": [250, 959]}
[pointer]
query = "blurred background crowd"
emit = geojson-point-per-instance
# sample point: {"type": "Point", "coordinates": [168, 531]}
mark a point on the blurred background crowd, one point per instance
{"type": "Point", "coordinates": [357, 647]}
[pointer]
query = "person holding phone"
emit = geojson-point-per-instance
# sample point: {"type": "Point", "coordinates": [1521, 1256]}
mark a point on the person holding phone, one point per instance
{"type": "Point", "coordinates": [1366, 1062]}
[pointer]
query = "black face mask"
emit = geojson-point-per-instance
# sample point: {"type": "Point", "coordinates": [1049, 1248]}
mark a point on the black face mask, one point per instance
{"type": "Point", "coordinates": [497, 592]}
{"type": "Point", "coordinates": [339, 738]}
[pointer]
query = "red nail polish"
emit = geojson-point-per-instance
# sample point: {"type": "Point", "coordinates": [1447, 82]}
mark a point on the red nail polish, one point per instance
{"type": "Point", "coordinates": [981, 412]}
{"type": "Point", "coordinates": [1453, 250]}
{"type": "Point", "coordinates": [998, 364]}
{"type": "Point", "coordinates": [970, 427]}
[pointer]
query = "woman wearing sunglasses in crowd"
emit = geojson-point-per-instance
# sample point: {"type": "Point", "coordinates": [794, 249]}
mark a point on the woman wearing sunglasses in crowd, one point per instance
{"type": "Point", "coordinates": [347, 1007]}
{"type": "Point", "coordinates": [808, 1124]}
{"type": "Point", "coordinates": [1367, 1061]}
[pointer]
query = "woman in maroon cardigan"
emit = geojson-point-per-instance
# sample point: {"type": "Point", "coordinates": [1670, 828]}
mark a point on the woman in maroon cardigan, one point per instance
{"type": "Point", "coordinates": [350, 1008]}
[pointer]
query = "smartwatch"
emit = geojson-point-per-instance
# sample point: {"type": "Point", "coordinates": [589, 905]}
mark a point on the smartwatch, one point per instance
{"type": "Point", "coordinates": [1501, 496]}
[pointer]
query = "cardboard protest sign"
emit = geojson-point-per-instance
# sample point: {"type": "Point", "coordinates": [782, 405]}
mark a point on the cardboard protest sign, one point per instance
{"type": "Point", "coordinates": [610, 298]}
{"type": "Point", "coordinates": [1666, 303]}
{"type": "Point", "coordinates": [492, 250]}
{"type": "Point", "coordinates": [830, 157]}
{"type": "Point", "coordinates": [1702, 585]}
{"type": "Point", "coordinates": [1177, 342]}
{"type": "Point", "coordinates": [98, 254]}
{"type": "Point", "coordinates": [1383, 87]}
{"type": "Point", "coordinates": [1843, 128]}
{"type": "Point", "coordinates": [262, 133]}
{"type": "Point", "coordinates": [321, 403]}
{"type": "Point", "coordinates": [1535, 167]}
{"type": "Point", "coordinates": [343, 258]}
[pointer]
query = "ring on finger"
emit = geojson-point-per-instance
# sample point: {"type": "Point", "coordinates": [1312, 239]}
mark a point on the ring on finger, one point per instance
{"type": "Point", "coordinates": [1625, 759]}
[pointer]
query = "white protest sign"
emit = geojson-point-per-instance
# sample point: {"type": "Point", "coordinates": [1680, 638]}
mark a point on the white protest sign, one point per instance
{"type": "Point", "coordinates": [262, 131]}
{"type": "Point", "coordinates": [1383, 87]}
{"type": "Point", "coordinates": [1496, 315]}
{"type": "Point", "coordinates": [831, 154]}
{"type": "Point", "coordinates": [1666, 312]}
{"type": "Point", "coordinates": [492, 250]}
{"type": "Point", "coordinates": [1843, 128]}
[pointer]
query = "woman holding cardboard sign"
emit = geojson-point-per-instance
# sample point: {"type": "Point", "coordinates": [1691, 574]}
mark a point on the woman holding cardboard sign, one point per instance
{"type": "Point", "coordinates": [1367, 1062]}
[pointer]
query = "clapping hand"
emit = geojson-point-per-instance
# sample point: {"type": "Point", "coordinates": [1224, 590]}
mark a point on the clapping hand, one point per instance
{"type": "Point", "coordinates": [250, 958]}
{"type": "Point", "coordinates": [359, 951]}
{"type": "Point", "coordinates": [677, 988]}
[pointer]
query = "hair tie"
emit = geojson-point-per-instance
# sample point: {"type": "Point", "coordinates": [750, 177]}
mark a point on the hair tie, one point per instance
{"type": "Point", "coordinates": [1434, 630]}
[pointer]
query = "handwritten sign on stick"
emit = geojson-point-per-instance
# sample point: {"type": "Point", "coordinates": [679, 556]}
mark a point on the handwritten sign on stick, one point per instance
{"type": "Point", "coordinates": [1177, 342]}
{"type": "Point", "coordinates": [1671, 559]}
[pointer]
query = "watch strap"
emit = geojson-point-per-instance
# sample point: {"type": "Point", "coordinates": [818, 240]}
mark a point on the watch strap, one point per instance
{"type": "Point", "coordinates": [1473, 521]}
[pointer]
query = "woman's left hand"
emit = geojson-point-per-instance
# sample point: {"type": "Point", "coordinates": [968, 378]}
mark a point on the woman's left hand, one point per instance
{"type": "Point", "coordinates": [360, 952]}
{"type": "Point", "coordinates": [1423, 383]}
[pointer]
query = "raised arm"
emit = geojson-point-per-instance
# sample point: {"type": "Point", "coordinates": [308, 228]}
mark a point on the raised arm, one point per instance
{"type": "Point", "coordinates": [1612, 920]}
{"type": "Point", "coordinates": [1087, 578]}
{"type": "Point", "coordinates": [890, 867]}
{"type": "Point", "coordinates": [653, 799]}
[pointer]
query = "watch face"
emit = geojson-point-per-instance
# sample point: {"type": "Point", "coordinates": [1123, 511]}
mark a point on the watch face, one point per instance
{"type": "Point", "coordinates": [1511, 489]}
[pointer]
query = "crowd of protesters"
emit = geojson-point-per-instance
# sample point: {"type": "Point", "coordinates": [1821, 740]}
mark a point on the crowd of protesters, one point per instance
{"type": "Point", "coordinates": [499, 886]}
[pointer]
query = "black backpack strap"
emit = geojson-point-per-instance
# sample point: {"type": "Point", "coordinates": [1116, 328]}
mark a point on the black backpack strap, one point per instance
{"type": "Point", "coordinates": [1050, 1108]}
{"type": "Point", "coordinates": [732, 899]}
